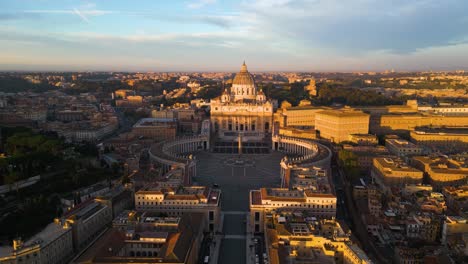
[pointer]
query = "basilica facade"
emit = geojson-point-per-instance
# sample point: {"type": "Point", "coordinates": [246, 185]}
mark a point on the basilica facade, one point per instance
{"type": "Point", "coordinates": [242, 117]}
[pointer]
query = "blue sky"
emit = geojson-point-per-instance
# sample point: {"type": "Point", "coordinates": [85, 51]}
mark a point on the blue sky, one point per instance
{"type": "Point", "coordinates": [217, 35]}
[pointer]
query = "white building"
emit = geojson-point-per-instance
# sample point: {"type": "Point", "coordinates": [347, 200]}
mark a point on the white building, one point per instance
{"type": "Point", "coordinates": [243, 114]}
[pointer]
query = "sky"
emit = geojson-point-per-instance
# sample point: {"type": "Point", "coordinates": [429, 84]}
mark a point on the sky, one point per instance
{"type": "Point", "coordinates": [218, 35]}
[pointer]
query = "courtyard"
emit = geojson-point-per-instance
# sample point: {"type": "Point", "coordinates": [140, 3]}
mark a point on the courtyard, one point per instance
{"type": "Point", "coordinates": [236, 176]}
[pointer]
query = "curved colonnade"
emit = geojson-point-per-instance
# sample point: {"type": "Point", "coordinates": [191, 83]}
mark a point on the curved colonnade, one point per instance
{"type": "Point", "coordinates": [175, 154]}
{"type": "Point", "coordinates": [303, 154]}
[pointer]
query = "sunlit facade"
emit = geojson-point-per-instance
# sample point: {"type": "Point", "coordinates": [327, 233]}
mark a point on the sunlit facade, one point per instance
{"type": "Point", "coordinates": [242, 114]}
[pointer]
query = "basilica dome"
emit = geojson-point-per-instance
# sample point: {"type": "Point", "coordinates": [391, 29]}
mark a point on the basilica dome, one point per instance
{"type": "Point", "coordinates": [243, 85]}
{"type": "Point", "coordinates": [243, 77]}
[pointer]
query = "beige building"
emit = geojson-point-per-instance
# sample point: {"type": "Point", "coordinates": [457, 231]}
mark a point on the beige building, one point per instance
{"type": "Point", "coordinates": [402, 148]}
{"type": "Point", "coordinates": [298, 133]}
{"type": "Point", "coordinates": [196, 199]}
{"type": "Point", "coordinates": [242, 115]}
{"type": "Point", "coordinates": [122, 93]}
{"type": "Point", "coordinates": [423, 227]}
{"type": "Point", "coordinates": [456, 198]}
{"type": "Point", "coordinates": [442, 171]}
{"type": "Point", "coordinates": [389, 172]}
{"type": "Point", "coordinates": [157, 129]}
{"type": "Point", "coordinates": [175, 113]}
{"type": "Point", "coordinates": [363, 139]}
{"type": "Point", "coordinates": [411, 106]}
{"type": "Point", "coordinates": [405, 122]}
{"type": "Point", "coordinates": [53, 245]}
{"type": "Point", "coordinates": [338, 125]}
{"type": "Point", "coordinates": [321, 205]}
{"type": "Point", "coordinates": [296, 237]}
{"type": "Point", "coordinates": [130, 101]}
{"type": "Point", "coordinates": [453, 226]}
{"type": "Point", "coordinates": [165, 113]}
{"type": "Point", "coordinates": [188, 120]}
{"type": "Point", "coordinates": [456, 138]}
{"type": "Point", "coordinates": [298, 116]}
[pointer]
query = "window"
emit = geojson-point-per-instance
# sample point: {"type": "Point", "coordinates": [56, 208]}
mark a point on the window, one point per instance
{"type": "Point", "coordinates": [211, 216]}
{"type": "Point", "coordinates": [257, 216]}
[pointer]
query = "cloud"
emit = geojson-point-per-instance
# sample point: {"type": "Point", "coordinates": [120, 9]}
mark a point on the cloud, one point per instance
{"type": "Point", "coordinates": [201, 39]}
{"type": "Point", "coordinates": [83, 12]}
{"type": "Point", "coordinates": [294, 34]}
{"type": "Point", "coordinates": [4, 16]}
{"type": "Point", "coordinates": [200, 3]}
{"type": "Point", "coordinates": [93, 12]}
{"type": "Point", "coordinates": [220, 38]}
{"type": "Point", "coordinates": [398, 26]}
{"type": "Point", "coordinates": [222, 21]}
{"type": "Point", "coordinates": [227, 20]}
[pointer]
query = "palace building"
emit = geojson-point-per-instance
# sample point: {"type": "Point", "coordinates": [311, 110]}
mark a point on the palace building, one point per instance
{"type": "Point", "coordinates": [242, 117]}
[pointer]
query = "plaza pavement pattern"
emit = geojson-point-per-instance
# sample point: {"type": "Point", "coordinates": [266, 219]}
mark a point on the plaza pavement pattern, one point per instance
{"type": "Point", "coordinates": [235, 180]}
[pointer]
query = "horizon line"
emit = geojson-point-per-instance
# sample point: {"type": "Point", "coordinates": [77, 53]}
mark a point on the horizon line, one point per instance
{"type": "Point", "coordinates": [228, 71]}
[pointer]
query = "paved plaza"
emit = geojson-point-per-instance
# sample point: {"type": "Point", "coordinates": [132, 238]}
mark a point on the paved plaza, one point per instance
{"type": "Point", "coordinates": [237, 179]}
{"type": "Point", "coordinates": [236, 176]}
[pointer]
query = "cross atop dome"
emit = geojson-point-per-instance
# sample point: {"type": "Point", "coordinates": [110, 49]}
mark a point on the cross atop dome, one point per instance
{"type": "Point", "coordinates": [244, 67]}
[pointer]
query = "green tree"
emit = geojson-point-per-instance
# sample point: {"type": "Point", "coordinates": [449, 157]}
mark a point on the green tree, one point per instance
{"type": "Point", "coordinates": [349, 162]}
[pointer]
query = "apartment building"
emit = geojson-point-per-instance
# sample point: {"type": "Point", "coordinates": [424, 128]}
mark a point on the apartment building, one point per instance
{"type": "Point", "coordinates": [321, 205]}
{"type": "Point", "coordinates": [177, 202]}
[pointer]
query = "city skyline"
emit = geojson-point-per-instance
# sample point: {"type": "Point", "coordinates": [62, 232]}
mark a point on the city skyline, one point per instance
{"type": "Point", "coordinates": [210, 35]}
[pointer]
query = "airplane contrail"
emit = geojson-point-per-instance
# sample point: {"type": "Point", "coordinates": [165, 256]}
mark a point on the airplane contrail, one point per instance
{"type": "Point", "coordinates": [82, 16]}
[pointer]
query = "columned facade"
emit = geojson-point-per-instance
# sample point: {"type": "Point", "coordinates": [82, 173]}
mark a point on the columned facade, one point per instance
{"type": "Point", "coordinates": [301, 154]}
{"type": "Point", "coordinates": [244, 114]}
{"type": "Point", "coordinates": [175, 154]}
